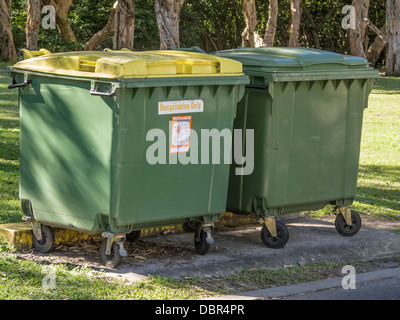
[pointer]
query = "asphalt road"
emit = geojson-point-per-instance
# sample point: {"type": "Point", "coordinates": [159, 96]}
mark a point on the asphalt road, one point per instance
{"type": "Point", "coordinates": [375, 285]}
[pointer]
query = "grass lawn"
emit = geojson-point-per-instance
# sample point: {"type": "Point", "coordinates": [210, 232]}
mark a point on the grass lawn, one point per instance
{"type": "Point", "coordinates": [378, 196]}
{"type": "Point", "coordinates": [379, 173]}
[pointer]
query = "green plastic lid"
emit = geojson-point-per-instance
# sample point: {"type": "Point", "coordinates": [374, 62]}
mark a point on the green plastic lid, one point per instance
{"type": "Point", "coordinates": [296, 64]}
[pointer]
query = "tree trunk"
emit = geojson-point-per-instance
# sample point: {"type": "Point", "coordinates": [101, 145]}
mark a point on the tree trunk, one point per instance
{"type": "Point", "coordinates": [250, 17]}
{"type": "Point", "coordinates": [295, 7]}
{"type": "Point", "coordinates": [33, 8]}
{"type": "Point", "coordinates": [270, 30]}
{"type": "Point", "coordinates": [7, 48]}
{"type": "Point", "coordinates": [356, 35]}
{"type": "Point", "coordinates": [62, 8]}
{"type": "Point", "coordinates": [393, 38]}
{"type": "Point", "coordinates": [375, 49]}
{"type": "Point", "coordinates": [363, 24]}
{"type": "Point", "coordinates": [100, 36]}
{"type": "Point", "coordinates": [168, 16]}
{"type": "Point", "coordinates": [124, 25]}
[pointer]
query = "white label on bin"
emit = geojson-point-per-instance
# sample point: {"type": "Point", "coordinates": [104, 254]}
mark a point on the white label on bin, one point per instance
{"type": "Point", "coordinates": [180, 106]}
{"type": "Point", "coordinates": [180, 134]}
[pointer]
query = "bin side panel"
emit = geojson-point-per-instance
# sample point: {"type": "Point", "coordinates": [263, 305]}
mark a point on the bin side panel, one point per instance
{"type": "Point", "coordinates": [307, 146]}
{"type": "Point", "coordinates": [65, 144]}
{"type": "Point", "coordinates": [152, 186]}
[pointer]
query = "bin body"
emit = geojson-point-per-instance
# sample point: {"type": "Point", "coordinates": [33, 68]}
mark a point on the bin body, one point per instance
{"type": "Point", "coordinates": [105, 161]}
{"type": "Point", "coordinates": [306, 109]}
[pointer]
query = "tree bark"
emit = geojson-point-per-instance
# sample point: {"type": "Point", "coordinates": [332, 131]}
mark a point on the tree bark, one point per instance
{"type": "Point", "coordinates": [168, 16]}
{"type": "Point", "coordinates": [33, 8]}
{"type": "Point", "coordinates": [295, 7]}
{"type": "Point", "coordinates": [7, 48]}
{"type": "Point", "coordinates": [124, 25]}
{"type": "Point", "coordinates": [375, 49]}
{"type": "Point", "coordinates": [270, 30]}
{"type": "Point", "coordinates": [250, 17]}
{"type": "Point", "coordinates": [393, 38]}
{"type": "Point", "coordinates": [357, 35]}
{"type": "Point", "coordinates": [62, 8]}
{"type": "Point", "coordinates": [100, 36]}
{"type": "Point", "coordinates": [364, 25]}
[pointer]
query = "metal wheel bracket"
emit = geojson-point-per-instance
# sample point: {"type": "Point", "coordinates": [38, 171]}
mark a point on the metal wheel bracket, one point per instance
{"type": "Point", "coordinates": [209, 238]}
{"type": "Point", "coordinates": [206, 227]}
{"type": "Point", "coordinates": [122, 250]}
{"type": "Point", "coordinates": [37, 229]}
{"type": "Point", "coordinates": [270, 223]}
{"type": "Point", "coordinates": [346, 213]}
{"type": "Point", "coordinates": [118, 239]}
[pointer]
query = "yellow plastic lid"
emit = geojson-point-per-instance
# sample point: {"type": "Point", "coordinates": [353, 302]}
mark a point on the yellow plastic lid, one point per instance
{"type": "Point", "coordinates": [129, 64]}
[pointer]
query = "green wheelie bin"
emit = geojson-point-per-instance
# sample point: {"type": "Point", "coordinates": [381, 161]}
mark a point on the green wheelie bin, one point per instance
{"type": "Point", "coordinates": [109, 142]}
{"type": "Point", "coordinates": [302, 115]}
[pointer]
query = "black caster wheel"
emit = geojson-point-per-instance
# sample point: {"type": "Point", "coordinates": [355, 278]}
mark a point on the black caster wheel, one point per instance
{"type": "Point", "coordinates": [281, 238]}
{"type": "Point", "coordinates": [47, 243]}
{"type": "Point", "coordinates": [112, 260]}
{"type": "Point", "coordinates": [201, 245]}
{"type": "Point", "coordinates": [133, 236]}
{"type": "Point", "coordinates": [202, 242]}
{"type": "Point", "coordinates": [344, 229]}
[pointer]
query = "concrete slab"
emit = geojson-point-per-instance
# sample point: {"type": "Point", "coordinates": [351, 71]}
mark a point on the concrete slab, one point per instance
{"type": "Point", "coordinates": [238, 249]}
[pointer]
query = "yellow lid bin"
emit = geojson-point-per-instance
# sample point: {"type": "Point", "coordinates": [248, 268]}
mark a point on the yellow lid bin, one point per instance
{"type": "Point", "coordinates": [114, 142]}
{"type": "Point", "coordinates": [128, 64]}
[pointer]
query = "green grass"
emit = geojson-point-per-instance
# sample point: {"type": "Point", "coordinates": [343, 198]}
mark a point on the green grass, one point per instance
{"type": "Point", "coordinates": [24, 280]}
{"type": "Point", "coordinates": [379, 173]}
{"type": "Point", "coordinates": [9, 152]}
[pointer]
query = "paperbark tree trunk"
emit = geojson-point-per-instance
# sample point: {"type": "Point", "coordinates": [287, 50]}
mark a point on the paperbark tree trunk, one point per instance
{"type": "Point", "coordinates": [62, 8]}
{"type": "Point", "coordinates": [7, 47]}
{"type": "Point", "coordinates": [295, 7]}
{"type": "Point", "coordinates": [124, 25]}
{"type": "Point", "coordinates": [168, 16]}
{"type": "Point", "coordinates": [100, 36]}
{"type": "Point", "coordinates": [363, 24]}
{"type": "Point", "coordinates": [33, 8]}
{"type": "Point", "coordinates": [375, 49]}
{"type": "Point", "coordinates": [393, 38]}
{"type": "Point", "coordinates": [357, 35]}
{"type": "Point", "coordinates": [250, 17]}
{"type": "Point", "coordinates": [270, 30]}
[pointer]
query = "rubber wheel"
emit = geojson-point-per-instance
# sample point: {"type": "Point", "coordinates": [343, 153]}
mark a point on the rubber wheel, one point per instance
{"type": "Point", "coordinates": [133, 236]}
{"type": "Point", "coordinates": [344, 229]}
{"type": "Point", "coordinates": [280, 240]}
{"type": "Point", "coordinates": [47, 243]}
{"type": "Point", "coordinates": [201, 246]}
{"type": "Point", "coordinates": [114, 259]}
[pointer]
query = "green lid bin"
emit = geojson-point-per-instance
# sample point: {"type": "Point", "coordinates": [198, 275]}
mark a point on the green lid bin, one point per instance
{"type": "Point", "coordinates": [106, 137]}
{"type": "Point", "coordinates": [305, 108]}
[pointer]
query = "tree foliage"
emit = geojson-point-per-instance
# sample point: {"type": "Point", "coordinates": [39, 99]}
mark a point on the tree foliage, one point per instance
{"type": "Point", "coordinates": [210, 24]}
